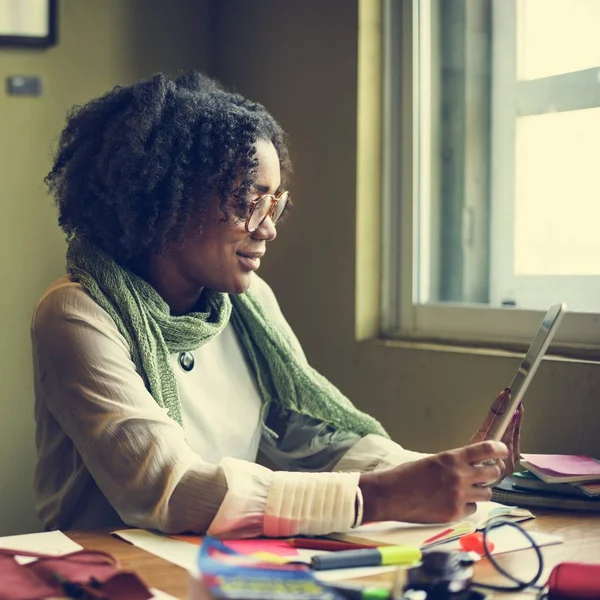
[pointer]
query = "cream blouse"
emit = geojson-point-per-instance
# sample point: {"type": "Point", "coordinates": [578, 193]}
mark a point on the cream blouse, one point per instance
{"type": "Point", "coordinates": [108, 454]}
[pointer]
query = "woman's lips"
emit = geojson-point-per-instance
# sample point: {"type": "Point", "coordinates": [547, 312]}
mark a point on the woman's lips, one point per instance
{"type": "Point", "coordinates": [250, 261]}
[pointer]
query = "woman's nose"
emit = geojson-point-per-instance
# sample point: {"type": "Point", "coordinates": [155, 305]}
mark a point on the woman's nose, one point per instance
{"type": "Point", "coordinates": [266, 231]}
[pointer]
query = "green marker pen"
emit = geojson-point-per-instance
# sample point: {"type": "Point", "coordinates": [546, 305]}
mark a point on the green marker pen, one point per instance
{"type": "Point", "coordinates": [368, 557]}
{"type": "Point", "coordinates": [362, 593]}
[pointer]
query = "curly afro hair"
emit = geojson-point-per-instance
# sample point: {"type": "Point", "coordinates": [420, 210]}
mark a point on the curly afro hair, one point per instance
{"type": "Point", "coordinates": [134, 164]}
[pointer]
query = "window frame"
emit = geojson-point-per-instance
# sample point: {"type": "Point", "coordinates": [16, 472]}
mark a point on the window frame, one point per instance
{"type": "Point", "coordinates": [512, 99]}
{"type": "Point", "coordinates": [402, 317]}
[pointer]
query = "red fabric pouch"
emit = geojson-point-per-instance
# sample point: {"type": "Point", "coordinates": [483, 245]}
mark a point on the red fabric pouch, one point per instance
{"type": "Point", "coordinates": [574, 581]}
{"type": "Point", "coordinates": [87, 574]}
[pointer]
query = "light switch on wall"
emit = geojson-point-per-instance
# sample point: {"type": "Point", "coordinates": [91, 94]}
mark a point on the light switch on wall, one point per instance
{"type": "Point", "coordinates": [24, 85]}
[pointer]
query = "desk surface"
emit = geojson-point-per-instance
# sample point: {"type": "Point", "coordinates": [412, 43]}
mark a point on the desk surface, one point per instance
{"type": "Point", "coordinates": [581, 534]}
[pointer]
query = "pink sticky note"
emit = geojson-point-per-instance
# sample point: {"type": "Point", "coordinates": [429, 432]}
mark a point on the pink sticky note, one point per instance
{"type": "Point", "coordinates": [564, 464]}
{"type": "Point", "coordinates": [277, 547]}
{"type": "Point", "coordinates": [248, 547]}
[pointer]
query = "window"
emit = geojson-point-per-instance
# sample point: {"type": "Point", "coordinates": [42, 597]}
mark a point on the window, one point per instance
{"type": "Point", "coordinates": [491, 139]}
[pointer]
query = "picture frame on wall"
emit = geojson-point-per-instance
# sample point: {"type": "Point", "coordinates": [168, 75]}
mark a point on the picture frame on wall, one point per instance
{"type": "Point", "coordinates": [28, 23]}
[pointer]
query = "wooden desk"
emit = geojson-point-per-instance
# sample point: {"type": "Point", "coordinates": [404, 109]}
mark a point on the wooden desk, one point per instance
{"type": "Point", "coordinates": [581, 534]}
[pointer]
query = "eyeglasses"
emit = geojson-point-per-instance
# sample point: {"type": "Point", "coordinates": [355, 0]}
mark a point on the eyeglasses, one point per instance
{"type": "Point", "coordinates": [266, 206]}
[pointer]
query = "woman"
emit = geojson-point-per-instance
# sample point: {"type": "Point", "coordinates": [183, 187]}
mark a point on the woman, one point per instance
{"type": "Point", "coordinates": [163, 364]}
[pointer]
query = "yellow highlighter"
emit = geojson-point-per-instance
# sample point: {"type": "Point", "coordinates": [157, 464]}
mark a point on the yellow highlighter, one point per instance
{"type": "Point", "coordinates": [367, 557]}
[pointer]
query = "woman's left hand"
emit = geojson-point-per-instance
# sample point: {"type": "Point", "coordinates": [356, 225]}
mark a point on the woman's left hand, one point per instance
{"type": "Point", "coordinates": [511, 437]}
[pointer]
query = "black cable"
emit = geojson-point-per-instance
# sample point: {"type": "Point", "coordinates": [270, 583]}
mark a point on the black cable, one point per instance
{"type": "Point", "coordinates": [520, 583]}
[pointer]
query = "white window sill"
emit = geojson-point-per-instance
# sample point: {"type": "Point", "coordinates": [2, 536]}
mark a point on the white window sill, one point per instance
{"type": "Point", "coordinates": [506, 349]}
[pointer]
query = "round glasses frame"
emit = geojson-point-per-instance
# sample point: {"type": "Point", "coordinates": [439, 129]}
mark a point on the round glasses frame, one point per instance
{"type": "Point", "coordinates": [281, 199]}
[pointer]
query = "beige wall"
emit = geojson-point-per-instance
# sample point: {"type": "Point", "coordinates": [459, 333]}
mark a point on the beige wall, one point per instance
{"type": "Point", "coordinates": [299, 57]}
{"type": "Point", "coordinates": [101, 44]}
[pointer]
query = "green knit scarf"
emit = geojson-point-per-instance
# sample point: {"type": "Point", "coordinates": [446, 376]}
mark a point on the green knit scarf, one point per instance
{"type": "Point", "coordinates": [144, 320]}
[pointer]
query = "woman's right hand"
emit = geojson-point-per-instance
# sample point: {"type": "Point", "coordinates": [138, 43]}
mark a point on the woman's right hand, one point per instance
{"type": "Point", "coordinates": [440, 488]}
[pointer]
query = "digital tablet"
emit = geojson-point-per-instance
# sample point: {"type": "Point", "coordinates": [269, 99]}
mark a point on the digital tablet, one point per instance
{"type": "Point", "coordinates": [531, 362]}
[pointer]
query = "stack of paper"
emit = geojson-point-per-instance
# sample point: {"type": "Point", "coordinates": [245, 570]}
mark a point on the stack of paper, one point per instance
{"type": "Point", "coordinates": [511, 491]}
{"type": "Point", "coordinates": [564, 468]}
{"type": "Point", "coordinates": [561, 481]}
{"type": "Point", "coordinates": [528, 482]}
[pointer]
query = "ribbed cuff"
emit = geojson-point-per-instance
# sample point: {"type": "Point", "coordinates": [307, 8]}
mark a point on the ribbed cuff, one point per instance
{"type": "Point", "coordinates": [310, 503]}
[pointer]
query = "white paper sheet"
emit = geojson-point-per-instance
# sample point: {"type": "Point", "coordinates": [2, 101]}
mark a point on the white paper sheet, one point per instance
{"type": "Point", "coordinates": [48, 542]}
{"type": "Point", "coordinates": [182, 554]}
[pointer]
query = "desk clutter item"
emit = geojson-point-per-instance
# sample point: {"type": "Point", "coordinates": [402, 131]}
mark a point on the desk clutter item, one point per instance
{"type": "Point", "coordinates": [392, 533]}
{"type": "Point", "coordinates": [473, 542]}
{"type": "Point", "coordinates": [85, 574]}
{"type": "Point", "coordinates": [562, 468]}
{"type": "Point", "coordinates": [574, 581]}
{"type": "Point", "coordinates": [229, 575]}
{"type": "Point", "coordinates": [441, 575]}
{"type": "Point", "coordinates": [515, 490]}
{"type": "Point", "coordinates": [366, 557]}
{"type": "Point", "coordinates": [224, 574]}
{"type": "Point", "coordinates": [182, 550]}
{"type": "Point", "coordinates": [559, 481]}
{"type": "Point", "coordinates": [525, 480]}
{"type": "Point", "coordinates": [18, 556]}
